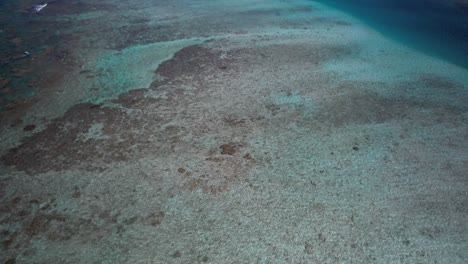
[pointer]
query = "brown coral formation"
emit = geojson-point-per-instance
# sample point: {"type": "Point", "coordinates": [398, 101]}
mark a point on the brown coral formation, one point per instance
{"type": "Point", "coordinates": [86, 137]}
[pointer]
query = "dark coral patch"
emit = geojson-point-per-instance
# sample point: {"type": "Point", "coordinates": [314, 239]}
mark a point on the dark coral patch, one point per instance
{"type": "Point", "coordinates": [227, 149]}
{"type": "Point", "coordinates": [58, 146]}
{"type": "Point", "coordinates": [87, 136]}
{"type": "Point", "coordinates": [135, 99]}
{"type": "Point", "coordinates": [192, 61]}
{"type": "Point", "coordinates": [29, 128]}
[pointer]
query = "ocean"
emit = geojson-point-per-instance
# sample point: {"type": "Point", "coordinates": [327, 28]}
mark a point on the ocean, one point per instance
{"type": "Point", "coordinates": [221, 131]}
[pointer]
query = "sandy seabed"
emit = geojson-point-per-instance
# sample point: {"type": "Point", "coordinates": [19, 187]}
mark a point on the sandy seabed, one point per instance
{"type": "Point", "coordinates": [232, 132]}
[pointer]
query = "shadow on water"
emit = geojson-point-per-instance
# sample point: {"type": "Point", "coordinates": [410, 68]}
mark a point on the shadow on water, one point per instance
{"type": "Point", "coordinates": [436, 27]}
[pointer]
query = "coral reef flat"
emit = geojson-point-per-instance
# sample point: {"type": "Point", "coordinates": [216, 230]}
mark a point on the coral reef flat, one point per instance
{"type": "Point", "coordinates": [181, 131]}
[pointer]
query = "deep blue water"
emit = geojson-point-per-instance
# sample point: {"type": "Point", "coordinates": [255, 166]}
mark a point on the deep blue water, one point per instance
{"type": "Point", "coordinates": [437, 27]}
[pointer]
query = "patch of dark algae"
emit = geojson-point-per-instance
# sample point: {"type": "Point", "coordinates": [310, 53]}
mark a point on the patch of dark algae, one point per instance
{"type": "Point", "coordinates": [87, 136]}
{"type": "Point", "coordinates": [196, 61]}
{"type": "Point", "coordinates": [59, 146]}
